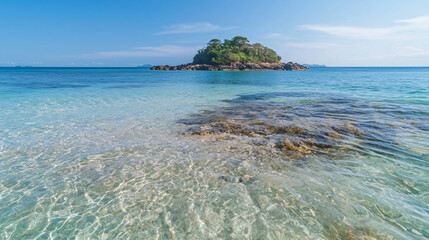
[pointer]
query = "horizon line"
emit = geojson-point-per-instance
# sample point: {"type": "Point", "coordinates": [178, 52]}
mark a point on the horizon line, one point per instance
{"type": "Point", "coordinates": [325, 66]}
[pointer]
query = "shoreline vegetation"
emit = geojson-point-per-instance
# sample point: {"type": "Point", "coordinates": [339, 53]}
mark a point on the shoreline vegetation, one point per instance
{"type": "Point", "coordinates": [236, 54]}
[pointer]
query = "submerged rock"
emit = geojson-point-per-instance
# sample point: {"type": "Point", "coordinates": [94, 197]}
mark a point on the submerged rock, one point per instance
{"type": "Point", "coordinates": [230, 179]}
{"type": "Point", "coordinates": [290, 139]}
{"type": "Point", "coordinates": [297, 130]}
{"type": "Point", "coordinates": [263, 201]}
{"type": "Point", "coordinates": [245, 178]}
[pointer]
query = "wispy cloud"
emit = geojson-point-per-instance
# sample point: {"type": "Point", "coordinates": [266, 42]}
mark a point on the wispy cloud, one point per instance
{"type": "Point", "coordinates": [418, 20]}
{"type": "Point", "coordinates": [193, 28]}
{"type": "Point", "coordinates": [139, 52]}
{"type": "Point", "coordinates": [276, 36]}
{"type": "Point", "coordinates": [351, 32]}
{"type": "Point", "coordinates": [311, 44]}
{"type": "Point", "coordinates": [409, 52]}
{"type": "Point", "coordinates": [401, 52]}
{"type": "Point", "coordinates": [407, 28]}
{"type": "Point", "coordinates": [8, 62]}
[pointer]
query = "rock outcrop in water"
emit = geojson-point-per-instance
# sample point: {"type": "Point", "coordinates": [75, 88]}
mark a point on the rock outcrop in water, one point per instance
{"type": "Point", "coordinates": [297, 130]}
{"type": "Point", "coordinates": [295, 139]}
{"type": "Point", "coordinates": [290, 66]}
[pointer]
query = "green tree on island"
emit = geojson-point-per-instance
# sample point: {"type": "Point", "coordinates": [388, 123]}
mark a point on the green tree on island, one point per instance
{"type": "Point", "coordinates": [238, 49]}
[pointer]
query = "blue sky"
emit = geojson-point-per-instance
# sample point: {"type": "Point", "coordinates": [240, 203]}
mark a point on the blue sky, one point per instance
{"type": "Point", "coordinates": [131, 33]}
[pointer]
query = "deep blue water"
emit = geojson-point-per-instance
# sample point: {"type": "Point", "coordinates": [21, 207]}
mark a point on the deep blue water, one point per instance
{"type": "Point", "coordinates": [97, 153]}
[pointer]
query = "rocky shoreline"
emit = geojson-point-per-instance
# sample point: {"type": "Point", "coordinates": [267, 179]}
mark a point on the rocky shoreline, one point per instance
{"type": "Point", "coordinates": [290, 66]}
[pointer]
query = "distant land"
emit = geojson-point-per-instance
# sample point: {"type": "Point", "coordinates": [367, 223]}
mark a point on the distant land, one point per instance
{"type": "Point", "coordinates": [314, 65]}
{"type": "Point", "coordinates": [237, 54]}
{"type": "Point", "coordinates": [145, 66]}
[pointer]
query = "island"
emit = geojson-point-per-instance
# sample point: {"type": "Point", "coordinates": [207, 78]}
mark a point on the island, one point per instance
{"type": "Point", "coordinates": [145, 66]}
{"type": "Point", "coordinates": [236, 54]}
{"type": "Point", "coordinates": [315, 65]}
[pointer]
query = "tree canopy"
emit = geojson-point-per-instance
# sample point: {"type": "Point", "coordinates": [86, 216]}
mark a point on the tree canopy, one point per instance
{"type": "Point", "coordinates": [238, 49]}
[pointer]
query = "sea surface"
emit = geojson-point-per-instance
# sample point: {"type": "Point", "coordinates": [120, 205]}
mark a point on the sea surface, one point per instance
{"type": "Point", "coordinates": [129, 153]}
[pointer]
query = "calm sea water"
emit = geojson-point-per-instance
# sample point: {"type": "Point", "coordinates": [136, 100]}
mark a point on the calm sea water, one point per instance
{"type": "Point", "coordinates": [101, 154]}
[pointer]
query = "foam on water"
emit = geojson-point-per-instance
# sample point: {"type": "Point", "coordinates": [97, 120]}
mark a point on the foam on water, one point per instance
{"type": "Point", "coordinates": [101, 154]}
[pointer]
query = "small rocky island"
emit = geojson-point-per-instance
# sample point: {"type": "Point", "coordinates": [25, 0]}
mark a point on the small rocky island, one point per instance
{"type": "Point", "coordinates": [236, 54]}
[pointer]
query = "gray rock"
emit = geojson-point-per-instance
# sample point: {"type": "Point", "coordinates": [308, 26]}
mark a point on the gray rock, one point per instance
{"type": "Point", "coordinates": [290, 66]}
{"type": "Point", "coordinates": [263, 201]}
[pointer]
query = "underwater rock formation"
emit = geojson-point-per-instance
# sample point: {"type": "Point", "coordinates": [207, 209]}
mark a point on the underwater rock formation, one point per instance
{"type": "Point", "coordinates": [298, 130]}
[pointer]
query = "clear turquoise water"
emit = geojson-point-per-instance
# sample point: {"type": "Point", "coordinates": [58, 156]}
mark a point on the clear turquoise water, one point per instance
{"type": "Point", "coordinates": [98, 154]}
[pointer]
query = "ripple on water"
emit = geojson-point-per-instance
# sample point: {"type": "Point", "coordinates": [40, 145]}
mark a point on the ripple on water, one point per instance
{"type": "Point", "coordinates": [325, 169]}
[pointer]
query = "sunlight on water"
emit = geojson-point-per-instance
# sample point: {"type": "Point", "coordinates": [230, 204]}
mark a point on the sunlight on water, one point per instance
{"type": "Point", "coordinates": [331, 153]}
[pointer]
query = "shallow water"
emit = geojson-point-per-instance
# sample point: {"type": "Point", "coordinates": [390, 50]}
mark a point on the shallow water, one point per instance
{"type": "Point", "coordinates": [105, 154]}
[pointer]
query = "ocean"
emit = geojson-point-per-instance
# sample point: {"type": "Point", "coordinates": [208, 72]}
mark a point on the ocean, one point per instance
{"type": "Point", "coordinates": [130, 153]}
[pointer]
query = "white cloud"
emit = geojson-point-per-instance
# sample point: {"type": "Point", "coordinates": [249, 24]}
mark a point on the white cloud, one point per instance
{"type": "Point", "coordinates": [159, 51]}
{"type": "Point", "coordinates": [408, 28]}
{"type": "Point", "coordinates": [193, 28]}
{"type": "Point", "coordinates": [311, 45]}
